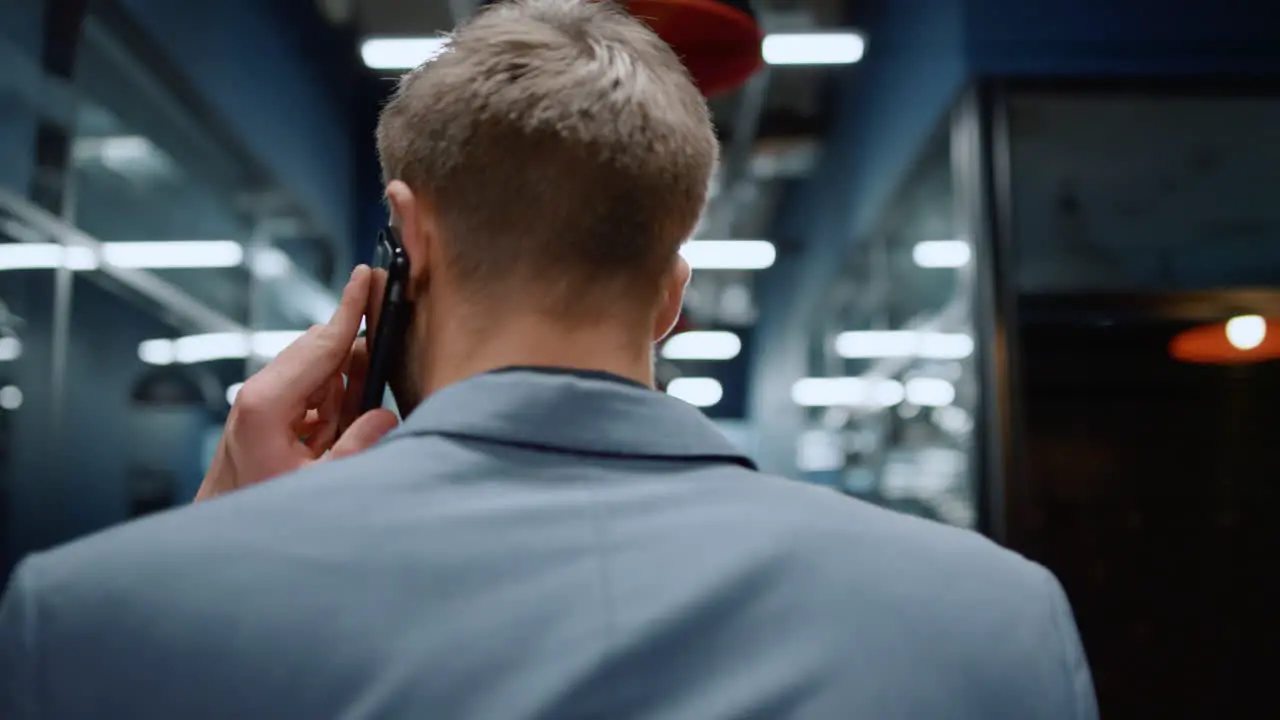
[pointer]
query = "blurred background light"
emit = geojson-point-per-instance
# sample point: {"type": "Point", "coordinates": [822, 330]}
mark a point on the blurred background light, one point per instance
{"type": "Point", "coordinates": [941, 253]}
{"type": "Point", "coordinates": [930, 392]}
{"type": "Point", "coordinates": [823, 48]}
{"type": "Point", "coordinates": [1246, 332]}
{"type": "Point", "coordinates": [858, 392]}
{"type": "Point", "coordinates": [868, 344]}
{"type": "Point", "coordinates": [208, 347]}
{"type": "Point", "coordinates": [702, 345]}
{"type": "Point", "coordinates": [729, 254]}
{"type": "Point", "coordinates": [700, 392]}
{"type": "Point", "coordinates": [828, 48]}
{"type": "Point", "coordinates": [232, 391]}
{"type": "Point", "coordinates": [400, 53]}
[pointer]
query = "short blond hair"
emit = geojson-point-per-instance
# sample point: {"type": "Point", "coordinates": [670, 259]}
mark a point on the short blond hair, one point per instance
{"type": "Point", "coordinates": [564, 146]}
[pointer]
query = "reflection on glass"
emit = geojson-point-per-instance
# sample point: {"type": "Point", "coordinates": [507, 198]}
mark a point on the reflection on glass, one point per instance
{"type": "Point", "coordinates": [892, 389]}
{"type": "Point", "coordinates": [181, 289]}
{"type": "Point", "coordinates": [931, 345]}
{"type": "Point", "coordinates": [1112, 197]}
{"type": "Point", "coordinates": [26, 300]}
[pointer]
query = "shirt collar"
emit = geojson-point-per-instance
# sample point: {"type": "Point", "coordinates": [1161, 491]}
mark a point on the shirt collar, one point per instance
{"type": "Point", "coordinates": [582, 412]}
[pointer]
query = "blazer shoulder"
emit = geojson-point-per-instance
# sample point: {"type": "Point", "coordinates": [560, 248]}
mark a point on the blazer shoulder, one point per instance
{"type": "Point", "coordinates": [841, 539]}
{"type": "Point", "coordinates": [1001, 620]}
{"type": "Point", "coordinates": [850, 521]}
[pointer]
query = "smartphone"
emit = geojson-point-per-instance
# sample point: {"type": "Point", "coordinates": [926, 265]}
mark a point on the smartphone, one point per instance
{"type": "Point", "coordinates": [389, 320]}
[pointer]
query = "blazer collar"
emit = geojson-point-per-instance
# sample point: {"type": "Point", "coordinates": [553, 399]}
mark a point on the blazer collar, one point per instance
{"type": "Point", "coordinates": [587, 413]}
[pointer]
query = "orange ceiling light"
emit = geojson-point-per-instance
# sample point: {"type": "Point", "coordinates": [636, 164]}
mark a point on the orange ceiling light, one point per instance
{"type": "Point", "coordinates": [1242, 340]}
{"type": "Point", "coordinates": [718, 40]}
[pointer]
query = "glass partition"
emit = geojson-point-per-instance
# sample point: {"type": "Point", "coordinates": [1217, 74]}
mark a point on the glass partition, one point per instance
{"type": "Point", "coordinates": [131, 311]}
{"type": "Point", "coordinates": [1142, 192]}
{"type": "Point", "coordinates": [26, 387]}
{"type": "Point", "coordinates": [142, 179]}
{"type": "Point", "coordinates": [892, 391]}
{"type": "Point", "coordinates": [1138, 231]}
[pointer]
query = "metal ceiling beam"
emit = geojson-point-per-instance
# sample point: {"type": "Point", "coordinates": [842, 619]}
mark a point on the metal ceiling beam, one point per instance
{"type": "Point", "coordinates": [736, 162]}
{"type": "Point", "coordinates": [149, 285]}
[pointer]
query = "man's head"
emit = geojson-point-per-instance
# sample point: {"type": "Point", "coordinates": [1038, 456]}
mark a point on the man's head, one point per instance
{"type": "Point", "coordinates": [552, 160]}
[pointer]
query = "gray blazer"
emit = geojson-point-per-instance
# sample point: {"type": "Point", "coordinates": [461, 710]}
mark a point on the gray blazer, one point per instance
{"type": "Point", "coordinates": [535, 544]}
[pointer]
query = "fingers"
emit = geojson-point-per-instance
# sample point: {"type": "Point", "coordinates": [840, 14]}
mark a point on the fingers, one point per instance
{"type": "Point", "coordinates": [357, 360]}
{"type": "Point", "coordinates": [328, 412]}
{"type": "Point", "coordinates": [351, 306]}
{"type": "Point", "coordinates": [357, 371]}
{"type": "Point", "coordinates": [363, 433]}
{"type": "Point", "coordinates": [281, 389]}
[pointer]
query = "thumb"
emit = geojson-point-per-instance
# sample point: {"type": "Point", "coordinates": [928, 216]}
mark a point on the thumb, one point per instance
{"type": "Point", "coordinates": [363, 433]}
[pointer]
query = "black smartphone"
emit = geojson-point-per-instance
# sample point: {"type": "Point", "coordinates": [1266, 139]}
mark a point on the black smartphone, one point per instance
{"type": "Point", "coordinates": [388, 321]}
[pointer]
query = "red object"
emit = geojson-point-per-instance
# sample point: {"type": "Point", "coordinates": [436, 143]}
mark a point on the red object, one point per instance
{"type": "Point", "coordinates": [1208, 345]}
{"type": "Point", "coordinates": [719, 43]}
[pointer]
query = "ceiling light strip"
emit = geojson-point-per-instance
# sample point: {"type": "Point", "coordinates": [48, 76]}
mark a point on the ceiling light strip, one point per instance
{"type": "Point", "coordinates": [175, 302]}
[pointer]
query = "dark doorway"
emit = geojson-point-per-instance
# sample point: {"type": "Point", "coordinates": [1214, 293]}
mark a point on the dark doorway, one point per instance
{"type": "Point", "coordinates": [1152, 488]}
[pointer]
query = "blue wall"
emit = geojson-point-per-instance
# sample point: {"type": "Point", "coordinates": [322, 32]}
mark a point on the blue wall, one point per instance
{"type": "Point", "coordinates": [59, 491]}
{"type": "Point", "coordinates": [257, 64]}
{"type": "Point", "coordinates": [273, 75]}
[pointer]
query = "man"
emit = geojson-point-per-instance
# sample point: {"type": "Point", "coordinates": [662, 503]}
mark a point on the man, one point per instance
{"type": "Point", "coordinates": [544, 536]}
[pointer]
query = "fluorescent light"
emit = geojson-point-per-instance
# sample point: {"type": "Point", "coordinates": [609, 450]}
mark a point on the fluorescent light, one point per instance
{"type": "Point", "coordinates": [270, 343]}
{"type": "Point", "coordinates": [697, 391]}
{"type": "Point", "coordinates": [729, 254]}
{"type": "Point", "coordinates": [819, 451]}
{"type": "Point", "coordinates": [152, 255]}
{"type": "Point", "coordinates": [210, 346]}
{"type": "Point", "coordinates": [1246, 332]}
{"type": "Point", "coordinates": [46, 256]}
{"type": "Point", "coordinates": [847, 391]}
{"type": "Point", "coordinates": [10, 348]}
{"type": "Point", "coordinates": [867, 344]}
{"type": "Point", "coordinates": [952, 419]}
{"type": "Point", "coordinates": [124, 150]}
{"type": "Point", "coordinates": [130, 155]}
{"type": "Point", "coordinates": [215, 346]}
{"type": "Point", "coordinates": [156, 352]}
{"type": "Point", "coordinates": [170, 254]}
{"type": "Point", "coordinates": [269, 263]}
{"type": "Point", "coordinates": [10, 397]}
{"type": "Point", "coordinates": [702, 345]}
{"type": "Point", "coordinates": [942, 253]}
{"type": "Point", "coordinates": [930, 392]}
{"type": "Point", "coordinates": [402, 53]}
{"type": "Point", "coordinates": [813, 48]}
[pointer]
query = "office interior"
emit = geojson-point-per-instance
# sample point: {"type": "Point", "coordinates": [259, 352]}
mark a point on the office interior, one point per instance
{"type": "Point", "coordinates": [1008, 266]}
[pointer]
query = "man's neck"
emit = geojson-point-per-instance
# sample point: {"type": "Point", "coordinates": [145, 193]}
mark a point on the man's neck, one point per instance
{"type": "Point", "coordinates": [459, 353]}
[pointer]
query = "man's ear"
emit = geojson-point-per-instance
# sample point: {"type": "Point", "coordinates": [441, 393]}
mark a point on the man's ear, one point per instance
{"type": "Point", "coordinates": [414, 217]}
{"type": "Point", "coordinates": [673, 285]}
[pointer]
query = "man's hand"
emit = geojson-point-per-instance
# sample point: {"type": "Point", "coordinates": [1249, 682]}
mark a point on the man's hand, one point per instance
{"type": "Point", "coordinates": [297, 410]}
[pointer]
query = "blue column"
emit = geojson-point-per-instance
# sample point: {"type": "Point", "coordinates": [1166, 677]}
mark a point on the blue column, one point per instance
{"type": "Point", "coordinates": [887, 107]}
{"type": "Point", "coordinates": [258, 65]}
